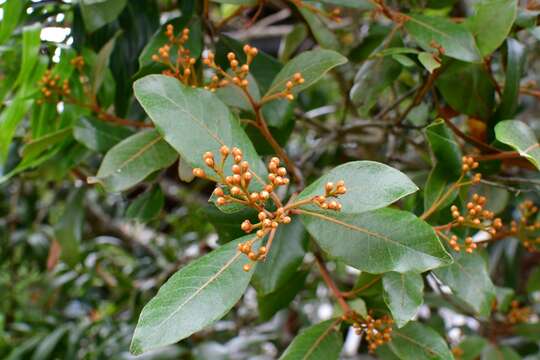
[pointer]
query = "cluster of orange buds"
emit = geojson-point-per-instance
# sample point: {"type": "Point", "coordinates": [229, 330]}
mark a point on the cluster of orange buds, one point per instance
{"type": "Point", "coordinates": [476, 217]}
{"type": "Point", "coordinates": [331, 191]}
{"type": "Point", "coordinates": [77, 62]}
{"type": "Point", "coordinates": [527, 228]}
{"type": "Point", "coordinates": [239, 71]}
{"type": "Point", "coordinates": [439, 48]}
{"type": "Point", "coordinates": [246, 248]}
{"type": "Point", "coordinates": [183, 67]}
{"type": "Point", "coordinates": [469, 164]}
{"type": "Point", "coordinates": [518, 314]}
{"type": "Point", "coordinates": [376, 331]}
{"type": "Point", "coordinates": [52, 85]}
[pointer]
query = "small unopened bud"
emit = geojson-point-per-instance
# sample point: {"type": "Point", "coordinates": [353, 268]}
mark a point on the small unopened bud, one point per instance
{"type": "Point", "coordinates": [198, 172]}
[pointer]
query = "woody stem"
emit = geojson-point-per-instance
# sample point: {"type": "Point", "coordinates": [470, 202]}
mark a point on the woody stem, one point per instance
{"type": "Point", "coordinates": [331, 284]}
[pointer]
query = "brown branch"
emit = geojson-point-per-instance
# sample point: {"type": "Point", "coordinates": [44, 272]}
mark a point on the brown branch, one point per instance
{"type": "Point", "coordinates": [331, 284]}
{"type": "Point", "coordinates": [499, 156]}
{"type": "Point", "coordinates": [479, 144]}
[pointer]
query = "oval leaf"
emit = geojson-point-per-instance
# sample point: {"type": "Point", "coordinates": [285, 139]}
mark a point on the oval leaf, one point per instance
{"type": "Point", "coordinates": [311, 64]}
{"type": "Point", "coordinates": [403, 293]}
{"type": "Point", "coordinates": [419, 342]}
{"type": "Point", "coordinates": [321, 341]}
{"type": "Point", "coordinates": [193, 120]}
{"type": "Point", "coordinates": [370, 185]}
{"type": "Point", "coordinates": [469, 280]}
{"type": "Point", "coordinates": [133, 159]}
{"type": "Point", "coordinates": [456, 40]}
{"type": "Point", "coordinates": [193, 298]}
{"type": "Point", "coordinates": [378, 241]}
{"type": "Point", "coordinates": [491, 23]}
{"type": "Point", "coordinates": [521, 137]}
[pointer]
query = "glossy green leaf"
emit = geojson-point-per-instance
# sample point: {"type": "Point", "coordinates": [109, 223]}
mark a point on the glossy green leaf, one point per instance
{"type": "Point", "coordinates": [133, 159]}
{"type": "Point", "coordinates": [370, 185]}
{"type": "Point", "coordinates": [147, 205]}
{"type": "Point", "coordinates": [469, 280]}
{"type": "Point", "coordinates": [13, 10]}
{"type": "Point", "coordinates": [321, 341]}
{"type": "Point", "coordinates": [288, 250]}
{"type": "Point", "coordinates": [416, 341]}
{"type": "Point", "coordinates": [457, 41]}
{"type": "Point", "coordinates": [516, 55]}
{"type": "Point", "coordinates": [97, 13]}
{"type": "Point", "coordinates": [311, 64]}
{"type": "Point", "coordinates": [404, 60]}
{"type": "Point", "coordinates": [468, 89]}
{"type": "Point", "coordinates": [521, 137]}
{"type": "Point", "coordinates": [428, 60]}
{"type": "Point", "coordinates": [68, 231]}
{"type": "Point", "coordinates": [447, 158]}
{"type": "Point", "coordinates": [196, 296]}
{"type": "Point", "coordinates": [377, 241]}
{"type": "Point", "coordinates": [404, 294]}
{"type": "Point", "coordinates": [491, 23]}
{"type": "Point", "coordinates": [30, 52]}
{"type": "Point", "coordinates": [193, 121]}
{"type": "Point", "coordinates": [98, 135]}
{"type": "Point", "coordinates": [356, 4]}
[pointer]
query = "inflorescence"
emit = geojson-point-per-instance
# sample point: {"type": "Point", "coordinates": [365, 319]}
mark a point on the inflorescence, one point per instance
{"type": "Point", "coordinates": [377, 331]}
{"type": "Point", "coordinates": [236, 187]}
{"type": "Point", "coordinates": [182, 67]}
{"type": "Point", "coordinates": [526, 229]}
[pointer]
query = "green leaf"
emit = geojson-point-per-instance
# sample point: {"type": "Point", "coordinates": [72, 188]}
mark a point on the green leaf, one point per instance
{"type": "Point", "coordinates": [288, 250]}
{"type": "Point", "coordinates": [516, 55]}
{"type": "Point", "coordinates": [311, 64]}
{"type": "Point", "coordinates": [370, 185]}
{"type": "Point", "coordinates": [457, 41]}
{"type": "Point", "coordinates": [98, 135]}
{"type": "Point", "coordinates": [468, 89]}
{"type": "Point", "coordinates": [521, 137]}
{"type": "Point", "coordinates": [492, 352]}
{"type": "Point", "coordinates": [447, 158]}
{"type": "Point", "coordinates": [30, 52]}
{"type": "Point", "coordinates": [428, 60]}
{"type": "Point", "coordinates": [196, 296]}
{"type": "Point", "coordinates": [12, 12]}
{"type": "Point", "coordinates": [146, 206]}
{"type": "Point", "coordinates": [321, 341]}
{"type": "Point", "coordinates": [373, 77]}
{"type": "Point", "coordinates": [403, 293]}
{"type": "Point", "coordinates": [292, 41]}
{"type": "Point", "coordinates": [324, 36]}
{"type": "Point", "coordinates": [193, 120]}
{"type": "Point", "coordinates": [46, 346]}
{"type": "Point", "coordinates": [472, 347]}
{"type": "Point", "coordinates": [419, 342]}
{"type": "Point", "coordinates": [377, 241]}
{"type": "Point", "coordinates": [356, 4]}
{"type": "Point", "coordinates": [271, 303]}
{"type": "Point", "coordinates": [469, 280]}
{"type": "Point", "coordinates": [37, 146]}
{"type": "Point", "coordinates": [133, 159]}
{"type": "Point", "coordinates": [97, 13]}
{"type": "Point", "coordinates": [491, 23]}
{"type": "Point", "coordinates": [101, 64]}
{"type": "Point", "coordinates": [68, 231]}
{"type": "Point", "coordinates": [533, 282]}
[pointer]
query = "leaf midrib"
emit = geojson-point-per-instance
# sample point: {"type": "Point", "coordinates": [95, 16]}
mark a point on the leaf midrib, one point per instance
{"type": "Point", "coordinates": [363, 230]}
{"type": "Point", "coordinates": [320, 340]}
{"type": "Point", "coordinates": [139, 153]}
{"type": "Point", "coordinates": [425, 347]}
{"type": "Point", "coordinates": [200, 289]}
